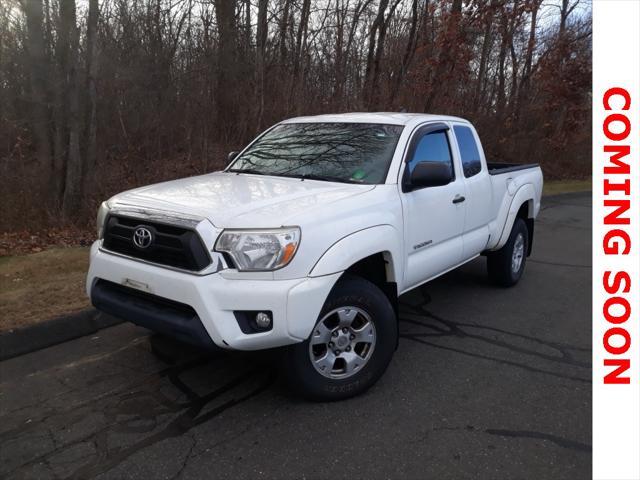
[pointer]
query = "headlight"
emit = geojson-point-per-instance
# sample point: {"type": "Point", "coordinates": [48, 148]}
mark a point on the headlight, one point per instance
{"type": "Point", "coordinates": [253, 250]}
{"type": "Point", "coordinates": [102, 216]}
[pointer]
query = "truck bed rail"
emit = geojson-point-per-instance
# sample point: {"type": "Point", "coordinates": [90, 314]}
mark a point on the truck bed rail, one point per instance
{"type": "Point", "coordinates": [497, 168]}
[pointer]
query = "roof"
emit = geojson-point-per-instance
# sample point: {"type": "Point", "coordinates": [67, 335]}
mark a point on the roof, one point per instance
{"type": "Point", "coordinates": [389, 118]}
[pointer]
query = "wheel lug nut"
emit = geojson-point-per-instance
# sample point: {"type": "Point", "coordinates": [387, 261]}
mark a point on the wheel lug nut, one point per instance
{"type": "Point", "coordinates": [330, 344]}
{"type": "Point", "coordinates": [352, 336]}
{"type": "Point", "coordinates": [336, 352]}
{"type": "Point", "coordinates": [348, 349]}
{"type": "Point", "coordinates": [335, 333]}
{"type": "Point", "coordinates": [344, 330]}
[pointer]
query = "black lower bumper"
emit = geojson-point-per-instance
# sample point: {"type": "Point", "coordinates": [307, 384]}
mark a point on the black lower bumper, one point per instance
{"type": "Point", "coordinates": [161, 315]}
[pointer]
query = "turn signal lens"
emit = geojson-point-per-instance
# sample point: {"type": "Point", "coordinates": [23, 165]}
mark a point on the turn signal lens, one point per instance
{"type": "Point", "coordinates": [289, 251]}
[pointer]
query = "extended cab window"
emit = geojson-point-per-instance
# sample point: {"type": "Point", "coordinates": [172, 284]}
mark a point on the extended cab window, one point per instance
{"type": "Point", "coordinates": [469, 153]}
{"type": "Point", "coordinates": [432, 147]}
{"type": "Point", "coordinates": [339, 152]}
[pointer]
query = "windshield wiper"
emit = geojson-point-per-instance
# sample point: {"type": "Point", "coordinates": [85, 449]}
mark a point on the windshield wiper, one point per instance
{"type": "Point", "coordinates": [246, 170]}
{"type": "Point", "coordinates": [326, 178]}
{"type": "Point", "coordinates": [302, 176]}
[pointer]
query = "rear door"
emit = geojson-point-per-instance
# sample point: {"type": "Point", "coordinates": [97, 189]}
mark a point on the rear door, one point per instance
{"type": "Point", "coordinates": [478, 191]}
{"type": "Point", "coordinates": [433, 216]}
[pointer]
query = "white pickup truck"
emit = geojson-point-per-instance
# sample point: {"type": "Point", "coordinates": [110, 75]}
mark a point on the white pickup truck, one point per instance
{"type": "Point", "coordinates": [309, 236]}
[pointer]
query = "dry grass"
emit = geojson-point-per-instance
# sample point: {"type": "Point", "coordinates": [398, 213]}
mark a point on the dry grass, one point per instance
{"type": "Point", "coordinates": [43, 285]}
{"type": "Point", "coordinates": [566, 186]}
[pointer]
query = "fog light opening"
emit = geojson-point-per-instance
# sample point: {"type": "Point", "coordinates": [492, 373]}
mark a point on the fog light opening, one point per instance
{"type": "Point", "coordinates": [263, 320]}
{"type": "Point", "coordinates": [254, 321]}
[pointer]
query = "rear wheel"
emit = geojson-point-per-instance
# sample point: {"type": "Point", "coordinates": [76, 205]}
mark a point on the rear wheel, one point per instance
{"type": "Point", "coordinates": [506, 265]}
{"type": "Point", "coordinates": [349, 348]}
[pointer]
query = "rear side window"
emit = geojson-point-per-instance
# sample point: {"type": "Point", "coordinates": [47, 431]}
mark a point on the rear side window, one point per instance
{"type": "Point", "coordinates": [432, 147]}
{"type": "Point", "coordinates": [469, 153]}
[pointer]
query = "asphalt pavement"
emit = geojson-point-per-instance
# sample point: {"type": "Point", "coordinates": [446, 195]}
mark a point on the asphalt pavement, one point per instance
{"type": "Point", "coordinates": [487, 383]}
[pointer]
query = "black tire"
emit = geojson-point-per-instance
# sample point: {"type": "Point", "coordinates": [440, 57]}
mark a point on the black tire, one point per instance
{"type": "Point", "coordinates": [499, 263]}
{"type": "Point", "coordinates": [353, 291]}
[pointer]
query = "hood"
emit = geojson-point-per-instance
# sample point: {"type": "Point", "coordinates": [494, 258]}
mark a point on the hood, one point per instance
{"type": "Point", "coordinates": [231, 200]}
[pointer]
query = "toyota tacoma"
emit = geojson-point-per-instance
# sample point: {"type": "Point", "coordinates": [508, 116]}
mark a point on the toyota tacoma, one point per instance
{"type": "Point", "coordinates": [309, 236]}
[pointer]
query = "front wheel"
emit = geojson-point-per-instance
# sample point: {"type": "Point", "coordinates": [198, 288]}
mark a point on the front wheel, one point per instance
{"type": "Point", "coordinates": [349, 348]}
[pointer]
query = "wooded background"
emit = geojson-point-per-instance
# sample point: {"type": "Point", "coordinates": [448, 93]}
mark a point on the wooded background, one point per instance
{"type": "Point", "coordinates": [97, 96]}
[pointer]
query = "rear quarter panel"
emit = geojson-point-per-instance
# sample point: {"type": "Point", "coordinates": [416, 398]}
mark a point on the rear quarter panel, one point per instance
{"type": "Point", "coordinates": [511, 190]}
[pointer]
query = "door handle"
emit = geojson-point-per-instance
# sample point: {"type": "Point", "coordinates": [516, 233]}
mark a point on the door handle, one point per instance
{"type": "Point", "coordinates": [458, 199]}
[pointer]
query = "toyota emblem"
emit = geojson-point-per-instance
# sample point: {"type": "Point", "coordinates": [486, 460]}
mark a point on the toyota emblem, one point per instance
{"type": "Point", "coordinates": [142, 237]}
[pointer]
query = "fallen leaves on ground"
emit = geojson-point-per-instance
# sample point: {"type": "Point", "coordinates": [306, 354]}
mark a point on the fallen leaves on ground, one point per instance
{"type": "Point", "coordinates": [24, 242]}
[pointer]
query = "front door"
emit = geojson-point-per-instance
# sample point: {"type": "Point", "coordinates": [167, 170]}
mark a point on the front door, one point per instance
{"type": "Point", "coordinates": [434, 216]}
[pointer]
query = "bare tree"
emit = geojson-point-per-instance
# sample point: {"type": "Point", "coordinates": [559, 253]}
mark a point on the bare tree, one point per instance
{"type": "Point", "coordinates": [227, 64]}
{"type": "Point", "coordinates": [92, 96]}
{"type": "Point", "coordinates": [138, 91]}
{"type": "Point", "coordinates": [38, 76]}
{"type": "Point", "coordinates": [448, 44]}
{"type": "Point", "coordinates": [261, 43]}
{"type": "Point", "coordinates": [70, 79]}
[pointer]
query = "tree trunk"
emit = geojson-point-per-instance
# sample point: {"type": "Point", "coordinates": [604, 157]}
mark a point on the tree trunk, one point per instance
{"type": "Point", "coordinates": [502, 56]}
{"type": "Point", "coordinates": [247, 26]}
{"type": "Point", "coordinates": [372, 52]}
{"type": "Point", "coordinates": [358, 9]}
{"type": "Point", "coordinates": [409, 51]}
{"type": "Point", "coordinates": [301, 38]}
{"type": "Point", "coordinates": [48, 30]}
{"type": "Point", "coordinates": [71, 201]}
{"type": "Point", "coordinates": [487, 42]}
{"type": "Point", "coordinates": [564, 14]}
{"type": "Point", "coordinates": [38, 76]}
{"type": "Point", "coordinates": [339, 61]}
{"type": "Point", "coordinates": [525, 82]}
{"type": "Point", "coordinates": [282, 39]}
{"type": "Point", "coordinates": [92, 74]}
{"type": "Point", "coordinates": [261, 41]}
{"type": "Point", "coordinates": [227, 64]}
{"type": "Point", "coordinates": [375, 99]}
{"type": "Point", "coordinates": [448, 43]}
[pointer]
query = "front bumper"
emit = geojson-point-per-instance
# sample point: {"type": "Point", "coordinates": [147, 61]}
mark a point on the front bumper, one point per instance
{"type": "Point", "coordinates": [295, 304]}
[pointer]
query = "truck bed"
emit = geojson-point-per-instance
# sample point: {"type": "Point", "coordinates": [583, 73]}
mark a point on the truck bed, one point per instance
{"type": "Point", "coordinates": [497, 168]}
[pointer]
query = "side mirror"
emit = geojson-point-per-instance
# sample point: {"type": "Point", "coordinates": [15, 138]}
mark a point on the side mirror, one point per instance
{"type": "Point", "coordinates": [231, 157]}
{"type": "Point", "coordinates": [431, 174]}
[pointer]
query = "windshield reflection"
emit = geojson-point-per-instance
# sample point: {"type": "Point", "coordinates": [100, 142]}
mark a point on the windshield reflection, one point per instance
{"type": "Point", "coordinates": [342, 152]}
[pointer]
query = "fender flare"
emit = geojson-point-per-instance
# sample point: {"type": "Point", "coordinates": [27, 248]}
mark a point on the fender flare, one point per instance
{"type": "Point", "coordinates": [361, 244]}
{"type": "Point", "coordinates": [525, 194]}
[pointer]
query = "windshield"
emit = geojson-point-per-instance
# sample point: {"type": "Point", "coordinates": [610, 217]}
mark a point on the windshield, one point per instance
{"type": "Point", "coordinates": [342, 152]}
